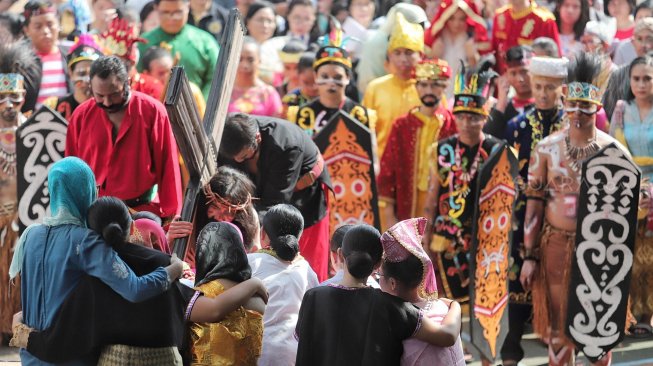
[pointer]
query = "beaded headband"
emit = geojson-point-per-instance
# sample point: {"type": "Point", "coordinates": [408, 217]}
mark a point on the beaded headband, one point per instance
{"type": "Point", "coordinates": [584, 92]}
{"type": "Point", "coordinates": [11, 83]}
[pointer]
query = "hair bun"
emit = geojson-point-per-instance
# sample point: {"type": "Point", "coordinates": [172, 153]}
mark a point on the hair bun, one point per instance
{"type": "Point", "coordinates": [286, 246]}
{"type": "Point", "coordinates": [113, 234]}
{"type": "Point", "coordinates": [360, 264]}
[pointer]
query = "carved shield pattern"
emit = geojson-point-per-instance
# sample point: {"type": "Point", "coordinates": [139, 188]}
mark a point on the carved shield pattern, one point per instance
{"type": "Point", "coordinates": [347, 148]}
{"type": "Point", "coordinates": [490, 254]}
{"type": "Point", "coordinates": [40, 142]}
{"type": "Point", "coordinates": [603, 256]}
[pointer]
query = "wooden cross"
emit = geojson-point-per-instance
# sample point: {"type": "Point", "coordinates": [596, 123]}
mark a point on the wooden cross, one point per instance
{"type": "Point", "coordinates": [199, 141]}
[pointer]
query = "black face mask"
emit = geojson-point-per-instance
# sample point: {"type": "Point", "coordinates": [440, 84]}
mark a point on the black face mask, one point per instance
{"type": "Point", "coordinates": [432, 100]}
{"type": "Point", "coordinates": [117, 107]}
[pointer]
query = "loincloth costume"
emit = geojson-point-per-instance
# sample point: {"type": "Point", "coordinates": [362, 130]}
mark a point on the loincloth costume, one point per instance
{"type": "Point", "coordinates": [9, 292]}
{"type": "Point", "coordinates": [556, 252]}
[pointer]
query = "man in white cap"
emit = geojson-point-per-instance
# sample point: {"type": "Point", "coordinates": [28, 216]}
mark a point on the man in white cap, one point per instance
{"type": "Point", "coordinates": [523, 133]}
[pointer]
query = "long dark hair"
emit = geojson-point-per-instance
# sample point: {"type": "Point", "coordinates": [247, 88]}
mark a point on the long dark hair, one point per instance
{"type": "Point", "coordinates": [362, 250]}
{"type": "Point", "coordinates": [643, 60]}
{"type": "Point", "coordinates": [283, 224]}
{"type": "Point", "coordinates": [235, 187]}
{"type": "Point", "coordinates": [579, 26]}
{"type": "Point", "coordinates": [109, 216]}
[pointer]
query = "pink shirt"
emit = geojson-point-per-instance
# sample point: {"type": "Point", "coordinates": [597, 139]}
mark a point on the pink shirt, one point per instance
{"type": "Point", "coordinates": [624, 34]}
{"type": "Point", "coordinates": [261, 100]}
{"type": "Point", "coordinates": [418, 353]}
{"type": "Point", "coordinates": [53, 79]}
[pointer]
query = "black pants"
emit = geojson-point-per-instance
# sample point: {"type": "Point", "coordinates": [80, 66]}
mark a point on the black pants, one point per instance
{"type": "Point", "coordinates": [518, 315]}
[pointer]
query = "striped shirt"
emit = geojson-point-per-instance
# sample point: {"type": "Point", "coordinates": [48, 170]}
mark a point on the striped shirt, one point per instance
{"type": "Point", "coordinates": [53, 79]}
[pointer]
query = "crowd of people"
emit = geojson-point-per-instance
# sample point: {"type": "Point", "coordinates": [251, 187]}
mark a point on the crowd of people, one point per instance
{"type": "Point", "coordinates": [274, 272]}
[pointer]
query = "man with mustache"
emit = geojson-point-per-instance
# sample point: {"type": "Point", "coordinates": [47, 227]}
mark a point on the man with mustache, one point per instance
{"type": "Point", "coordinates": [79, 58]}
{"type": "Point", "coordinates": [403, 179]}
{"type": "Point", "coordinates": [13, 57]}
{"type": "Point", "coordinates": [126, 138]}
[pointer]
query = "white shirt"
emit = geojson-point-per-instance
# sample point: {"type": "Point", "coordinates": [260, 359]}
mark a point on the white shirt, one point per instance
{"type": "Point", "coordinates": [286, 284]}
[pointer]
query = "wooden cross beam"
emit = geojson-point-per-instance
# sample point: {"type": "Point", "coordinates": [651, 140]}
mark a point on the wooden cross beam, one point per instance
{"type": "Point", "coordinates": [199, 142]}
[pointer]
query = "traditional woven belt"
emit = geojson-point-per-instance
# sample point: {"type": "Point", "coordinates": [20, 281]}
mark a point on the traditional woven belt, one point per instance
{"type": "Point", "coordinates": [309, 178]}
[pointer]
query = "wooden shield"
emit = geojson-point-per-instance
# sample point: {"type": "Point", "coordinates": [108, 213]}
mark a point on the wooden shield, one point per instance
{"type": "Point", "coordinates": [490, 253]}
{"type": "Point", "coordinates": [603, 256]}
{"type": "Point", "coordinates": [347, 148]}
{"type": "Point", "coordinates": [40, 142]}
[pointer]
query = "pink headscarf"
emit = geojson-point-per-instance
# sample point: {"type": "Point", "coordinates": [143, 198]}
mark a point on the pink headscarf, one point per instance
{"type": "Point", "coordinates": [404, 239]}
{"type": "Point", "coordinates": [146, 228]}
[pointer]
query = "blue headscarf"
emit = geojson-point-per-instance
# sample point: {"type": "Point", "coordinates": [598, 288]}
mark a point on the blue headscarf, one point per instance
{"type": "Point", "coordinates": [71, 185]}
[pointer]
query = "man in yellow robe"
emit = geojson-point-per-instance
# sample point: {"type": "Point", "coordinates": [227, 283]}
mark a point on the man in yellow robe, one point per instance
{"type": "Point", "coordinates": [393, 95]}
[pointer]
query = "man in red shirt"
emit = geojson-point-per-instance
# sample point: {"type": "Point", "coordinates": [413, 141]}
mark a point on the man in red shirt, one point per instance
{"type": "Point", "coordinates": [126, 138]}
{"type": "Point", "coordinates": [518, 24]}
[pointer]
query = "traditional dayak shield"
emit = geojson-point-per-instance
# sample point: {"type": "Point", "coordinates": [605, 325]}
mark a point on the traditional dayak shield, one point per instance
{"type": "Point", "coordinates": [603, 257]}
{"type": "Point", "coordinates": [490, 253]}
{"type": "Point", "coordinates": [199, 141]}
{"type": "Point", "coordinates": [40, 142]}
{"type": "Point", "coordinates": [347, 148]}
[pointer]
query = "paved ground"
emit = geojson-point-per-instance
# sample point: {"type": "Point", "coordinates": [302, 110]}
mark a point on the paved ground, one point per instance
{"type": "Point", "coordinates": [631, 352]}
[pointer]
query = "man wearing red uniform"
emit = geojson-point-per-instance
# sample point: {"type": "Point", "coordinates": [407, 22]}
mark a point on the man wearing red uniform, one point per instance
{"type": "Point", "coordinates": [126, 138]}
{"type": "Point", "coordinates": [519, 23]}
{"type": "Point", "coordinates": [404, 174]}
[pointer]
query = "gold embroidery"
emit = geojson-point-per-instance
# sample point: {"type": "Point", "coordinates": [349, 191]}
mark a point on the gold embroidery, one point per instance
{"type": "Point", "coordinates": [306, 119]}
{"type": "Point", "coordinates": [528, 28]}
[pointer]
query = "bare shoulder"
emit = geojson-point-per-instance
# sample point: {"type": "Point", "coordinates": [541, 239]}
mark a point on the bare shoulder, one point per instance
{"type": "Point", "coordinates": [552, 141]}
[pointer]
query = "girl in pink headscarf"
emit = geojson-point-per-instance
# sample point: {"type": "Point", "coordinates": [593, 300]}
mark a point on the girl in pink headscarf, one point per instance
{"type": "Point", "coordinates": [407, 272]}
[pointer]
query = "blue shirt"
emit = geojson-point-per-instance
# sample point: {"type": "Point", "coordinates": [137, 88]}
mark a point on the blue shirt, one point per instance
{"type": "Point", "coordinates": [56, 257]}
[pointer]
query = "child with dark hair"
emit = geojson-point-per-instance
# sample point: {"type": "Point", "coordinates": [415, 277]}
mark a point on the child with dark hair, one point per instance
{"type": "Point", "coordinates": [287, 276]}
{"type": "Point", "coordinates": [352, 324]}
{"type": "Point", "coordinates": [307, 89]}
{"type": "Point", "coordinates": [407, 272]}
{"type": "Point", "coordinates": [108, 319]}
{"type": "Point", "coordinates": [338, 260]}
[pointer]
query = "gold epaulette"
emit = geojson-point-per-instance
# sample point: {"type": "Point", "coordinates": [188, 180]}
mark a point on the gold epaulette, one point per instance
{"type": "Point", "coordinates": [543, 13]}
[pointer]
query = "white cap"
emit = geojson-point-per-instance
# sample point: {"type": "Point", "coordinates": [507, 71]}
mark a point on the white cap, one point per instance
{"type": "Point", "coordinates": [549, 67]}
{"type": "Point", "coordinates": [604, 30]}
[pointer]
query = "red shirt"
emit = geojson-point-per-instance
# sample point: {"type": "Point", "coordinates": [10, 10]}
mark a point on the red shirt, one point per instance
{"type": "Point", "coordinates": [144, 153]}
{"type": "Point", "coordinates": [519, 29]}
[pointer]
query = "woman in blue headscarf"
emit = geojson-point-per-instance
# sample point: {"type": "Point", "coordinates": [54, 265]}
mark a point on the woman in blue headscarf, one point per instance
{"type": "Point", "coordinates": [53, 256]}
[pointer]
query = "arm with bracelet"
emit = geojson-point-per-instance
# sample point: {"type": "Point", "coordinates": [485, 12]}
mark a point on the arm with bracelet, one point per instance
{"type": "Point", "coordinates": [535, 204]}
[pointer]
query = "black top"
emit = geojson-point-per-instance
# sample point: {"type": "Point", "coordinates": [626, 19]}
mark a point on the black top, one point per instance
{"type": "Point", "coordinates": [286, 154]}
{"type": "Point", "coordinates": [347, 326]}
{"type": "Point", "coordinates": [498, 122]}
{"type": "Point", "coordinates": [213, 21]}
{"type": "Point", "coordinates": [94, 315]}
{"type": "Point", "coordinates": [66, 106]}
{"type": "Point", "coordinates": [321, 115]}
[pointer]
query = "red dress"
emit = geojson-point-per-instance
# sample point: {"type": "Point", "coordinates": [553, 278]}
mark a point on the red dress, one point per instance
{"type": "Point", "coordinates": [148, 85]}
{"type": "Point", "coordinates": [144, 153]}
{"type": "Point", "coordinates": [519, 29]}
{"type": "Point", "coordinates": [397, 180]}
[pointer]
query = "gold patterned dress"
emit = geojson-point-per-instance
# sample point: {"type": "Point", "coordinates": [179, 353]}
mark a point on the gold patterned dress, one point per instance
{"type": "Point", "coordinates": [234, 341]}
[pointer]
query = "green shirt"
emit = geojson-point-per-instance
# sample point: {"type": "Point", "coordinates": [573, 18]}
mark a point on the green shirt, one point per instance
{"type": "Point", "coordinates": [198, 50]}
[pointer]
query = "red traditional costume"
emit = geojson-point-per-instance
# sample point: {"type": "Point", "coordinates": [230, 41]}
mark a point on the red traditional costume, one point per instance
{"type": "Point", "coordinates": [144, 153]}
{"type": "Point", "coordinates": [120, 40]}
{"type": "Point", "coordinates": [475, 24]}
{"type": "Point", "coordinates": [522, 28]}
{"type": "Point", "coordinates": [403, 178]}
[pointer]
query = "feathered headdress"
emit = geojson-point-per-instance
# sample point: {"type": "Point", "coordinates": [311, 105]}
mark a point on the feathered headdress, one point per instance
{"type": "Point", "coordinates": [119, 39]}
{"type": "Point", "coordinates": [84, 49]}
{"type": "Point", "coordinates": [333, 49]}
{"type": "Point", "coordinates": [584, 78]}
{"type": "Point", "coordinates": [471, 91]}
{"type": "Point", "coordinates": [16, 63]}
